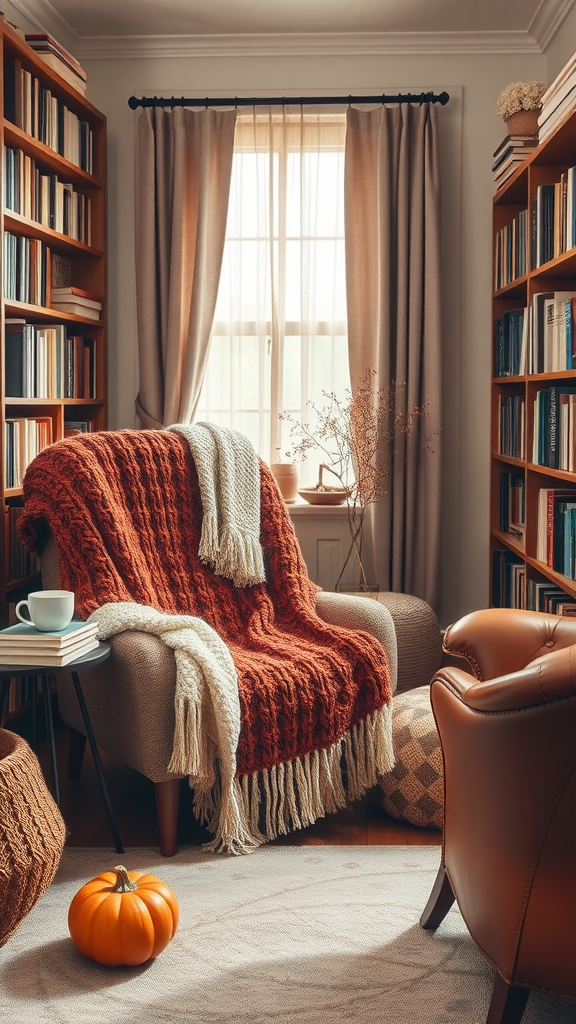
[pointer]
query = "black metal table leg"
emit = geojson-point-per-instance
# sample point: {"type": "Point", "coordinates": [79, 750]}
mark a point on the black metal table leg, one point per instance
{"type": "Point", "coordinates": [47, 702]}
{"type": "Point", "coordinates": [97, 761]}
{"type": "Point", "coordinates": [34, 683]}
{"type": "Point", "coordinates": [4, 694]}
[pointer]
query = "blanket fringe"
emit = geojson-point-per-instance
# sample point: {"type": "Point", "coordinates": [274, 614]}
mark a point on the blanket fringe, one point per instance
{"type": "Point", "coordinates": [239, 558]}
{"type": "Point", "coordinates": [295, 794]}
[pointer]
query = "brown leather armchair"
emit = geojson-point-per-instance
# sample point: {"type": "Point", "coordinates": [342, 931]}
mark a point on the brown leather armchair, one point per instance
{"type": "Point", "coordinates": [507, 727]}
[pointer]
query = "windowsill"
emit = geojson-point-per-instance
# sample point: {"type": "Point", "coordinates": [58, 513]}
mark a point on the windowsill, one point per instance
{"type": "Point", "coordinates": [302, 508]}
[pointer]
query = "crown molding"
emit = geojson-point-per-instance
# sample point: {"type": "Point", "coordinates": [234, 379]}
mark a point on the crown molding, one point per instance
{"type": "Point", "coordinates": [46, 19]}
{"type": "Point", "coordinates": [303, 44]}
{"type": "Point", "coordinates": [547, 20]}
{"type": "Point", "coordinates": [545, 23]}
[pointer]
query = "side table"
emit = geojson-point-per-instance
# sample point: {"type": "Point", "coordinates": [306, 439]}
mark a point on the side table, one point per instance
{"type": "Point", "coordinates": [42, 672]}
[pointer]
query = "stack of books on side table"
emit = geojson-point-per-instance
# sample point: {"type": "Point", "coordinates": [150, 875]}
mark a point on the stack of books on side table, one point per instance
{"type": "Point", "coordinates": [23, 644]}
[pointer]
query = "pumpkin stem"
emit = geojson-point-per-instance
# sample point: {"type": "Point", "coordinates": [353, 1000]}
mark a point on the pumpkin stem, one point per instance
{"type": "Point", "coordinates": [123, 883]}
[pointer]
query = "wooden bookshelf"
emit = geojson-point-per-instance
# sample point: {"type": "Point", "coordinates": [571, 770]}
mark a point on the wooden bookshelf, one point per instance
{"type": "Point", "coordinates": [524, 462]}
{"type": "Point", "coordinates": [71, 162]}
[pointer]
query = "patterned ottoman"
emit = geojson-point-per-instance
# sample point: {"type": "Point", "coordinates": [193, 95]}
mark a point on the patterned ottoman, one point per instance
{"type": "Point", "coordinates": [414, 790]}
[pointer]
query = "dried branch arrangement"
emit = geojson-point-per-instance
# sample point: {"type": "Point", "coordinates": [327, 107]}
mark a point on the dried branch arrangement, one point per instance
{"type": "Point", "coordinates": [358, 435]}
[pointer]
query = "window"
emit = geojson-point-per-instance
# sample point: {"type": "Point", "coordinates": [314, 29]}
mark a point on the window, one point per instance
{"type": "Point", "coordinates": [279, 337]}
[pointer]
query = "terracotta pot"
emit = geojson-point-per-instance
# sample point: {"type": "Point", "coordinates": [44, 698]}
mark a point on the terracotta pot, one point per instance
{"type": "Point", "coordinates": [286, 476]}
{"type": "Point", "coordinates": [523, 122]}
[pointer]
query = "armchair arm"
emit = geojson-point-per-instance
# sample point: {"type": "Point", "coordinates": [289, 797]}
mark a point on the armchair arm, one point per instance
{"type": "Point", "coordinates": [549, 678]}
{"type": "Point", "coordinates": [497, 641]}
{"type": "Point", "coordinates": [361, 613]}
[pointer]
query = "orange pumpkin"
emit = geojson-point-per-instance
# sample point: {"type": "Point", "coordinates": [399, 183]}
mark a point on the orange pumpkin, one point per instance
{"type": "Point", "coordinates": [123, 918]}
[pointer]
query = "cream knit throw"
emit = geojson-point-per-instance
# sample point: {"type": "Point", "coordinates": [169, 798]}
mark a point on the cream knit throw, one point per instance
{"type": "Point", "coordinates": [229, 480]}
{"type": "Point", "coordinates": [207, 709]}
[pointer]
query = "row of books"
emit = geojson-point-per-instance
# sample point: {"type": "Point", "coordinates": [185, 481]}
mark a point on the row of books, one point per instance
{"type": "Point", "coordinates": [24, 438]}
{"type": "Point", "coordinates": [541, 338]}
{"type": "Point", "coordinates": [74, 427]}
{"type": "Point", "coordinates": [43, 361]}
{"type": "Point", "coordinates": [511, 588]}
{"type": "Point", "coordinates": [508, 339]}
{"type": "Point", "coordinates": [43, 116]}
{"type": "Point", "coordinates": [21, 691]}
{"type": "Point", "coordinates": [44, 198]}
{"type": "Point", "coordinates": [552, 231]}
{"type": "Point", "coordinates": [23, 644]}
{"type": "Point", "coordinates": [55, 56]}
{"type": "Point", "coordinates": [556, 530]}
{"type": "Point", "coordinates": [25, 269]}
{"type": "Point", "coordinates": [513, 504]}
{"type": "Point", "coordinates": [554, 435]}
{"type": "Point", "coordinates": [558, 100]}
{"type": "Point", "coordinates": [511, 426]}
{"type": "Point", "coordinates": [19, 562]}
{"type": "Point", "coordinates": [511, 152]}
{"type": "Point", "coordinates": [511, 251]}
{"type": "Point", "coordinates": [553, 228]}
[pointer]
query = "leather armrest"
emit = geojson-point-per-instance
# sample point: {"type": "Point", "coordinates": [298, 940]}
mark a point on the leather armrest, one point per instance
{"type": "Point", "coordinates": [498, 641]}
{"type": "Point", "coordinates": [362, 613]}
{"type": "Point", "coordinates": [549, 678]}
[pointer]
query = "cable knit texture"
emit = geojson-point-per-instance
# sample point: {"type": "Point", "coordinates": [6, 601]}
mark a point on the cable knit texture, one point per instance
{"type": "Point", "coordinates": [125, 511]}
{"type": "Point", "coordinates": [229, 480]}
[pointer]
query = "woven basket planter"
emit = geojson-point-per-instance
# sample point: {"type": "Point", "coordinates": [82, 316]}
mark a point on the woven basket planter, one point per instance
{"type": "Point", "coordinates": [523, 122]}
{"type": "Point", "coordinates": [32, 832]}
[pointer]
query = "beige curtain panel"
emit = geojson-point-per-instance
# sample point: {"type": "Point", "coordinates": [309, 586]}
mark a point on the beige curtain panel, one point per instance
{"type": "Point", "coordinates": [183, 170]}
{"type": "Point", "coordinates": [392, 228]}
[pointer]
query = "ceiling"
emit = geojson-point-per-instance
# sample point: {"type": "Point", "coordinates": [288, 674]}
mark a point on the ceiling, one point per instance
{"type": "Point", "coordinates": [192, 17]}
{"type": "Point", "coordinates": [524, 24]}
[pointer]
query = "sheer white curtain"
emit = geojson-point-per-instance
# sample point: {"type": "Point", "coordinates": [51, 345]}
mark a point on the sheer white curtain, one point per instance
{"type": "Point", "coordinates": [279, 338]}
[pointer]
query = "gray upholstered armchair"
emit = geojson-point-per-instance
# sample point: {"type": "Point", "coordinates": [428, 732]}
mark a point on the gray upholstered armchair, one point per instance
{"type": "Point", "coordinates": [140, 675]}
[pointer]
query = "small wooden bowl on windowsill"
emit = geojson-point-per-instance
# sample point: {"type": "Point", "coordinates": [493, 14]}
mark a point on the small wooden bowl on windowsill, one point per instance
{"type": "Point", "coordinates": [335, 496]}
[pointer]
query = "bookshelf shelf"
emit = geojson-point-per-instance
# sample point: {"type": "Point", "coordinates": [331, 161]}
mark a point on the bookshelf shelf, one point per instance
{"type": "Point", "coordinates": [534, 411]}
{"type": "Point", "coordinates": [57, 140]}
{"type": "Point", "coordinates": [18, 139]}
{"type": "Point", "coordinates": [24, 583]}
{"type": "Point", "coordinates": [62, 243]}
{"type": "Point", "coordinates": [44, 313]}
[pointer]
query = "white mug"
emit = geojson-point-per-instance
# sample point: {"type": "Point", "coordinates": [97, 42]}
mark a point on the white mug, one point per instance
{"type": "Point", "coordinates": [48, 609]}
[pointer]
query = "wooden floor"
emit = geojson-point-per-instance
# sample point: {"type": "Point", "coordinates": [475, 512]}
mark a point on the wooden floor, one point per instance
{"type": "Point", "coordinates": [132, 795]}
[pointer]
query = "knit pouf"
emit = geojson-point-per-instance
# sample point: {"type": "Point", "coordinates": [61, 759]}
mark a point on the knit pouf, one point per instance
{"type": "Point", "coordinates": [32, 832]}
{"type": "Point", "coordinates": [414, 790]}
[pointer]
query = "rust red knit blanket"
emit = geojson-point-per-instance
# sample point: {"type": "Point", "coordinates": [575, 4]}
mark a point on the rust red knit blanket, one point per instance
{"type": "Point", "coordinates": [125, 511]}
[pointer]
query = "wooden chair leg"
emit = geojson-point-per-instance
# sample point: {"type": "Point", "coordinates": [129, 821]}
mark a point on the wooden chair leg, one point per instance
{"type": "Point", "coordinates": [167, 802]}
{"type": "Point", "coordinates": [76, 748]}
{"type": "Point", "coordinates": [507, 1003]}
{"type": "Point", "coordinates": [440, 900]}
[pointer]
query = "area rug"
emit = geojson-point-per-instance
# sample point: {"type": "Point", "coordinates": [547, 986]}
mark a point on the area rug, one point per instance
{"type": "Point", "coordinates": [287, 935]}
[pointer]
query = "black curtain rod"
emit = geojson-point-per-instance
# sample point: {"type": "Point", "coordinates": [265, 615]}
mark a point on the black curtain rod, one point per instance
{"type": "Point", "coordinates": [259, 101]}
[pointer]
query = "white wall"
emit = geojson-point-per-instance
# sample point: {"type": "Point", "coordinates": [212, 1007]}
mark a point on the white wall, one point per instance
{"type": "Point", "coordinates": [561, 46]}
